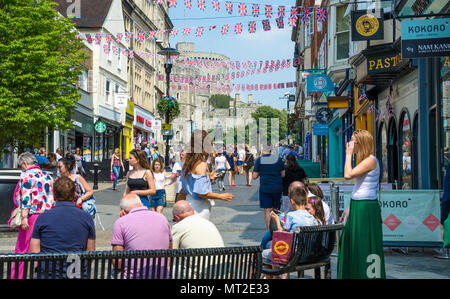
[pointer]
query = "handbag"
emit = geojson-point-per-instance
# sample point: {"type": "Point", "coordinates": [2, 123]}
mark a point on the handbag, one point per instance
{"type": "Point", "coordinates": [281, 247]}
{"type": "Point", "coordinates": [113, 177]}
{"type": "Point", "coordinates": [16, 218]}
{"type": "Point", "coordinates": [89, 206]}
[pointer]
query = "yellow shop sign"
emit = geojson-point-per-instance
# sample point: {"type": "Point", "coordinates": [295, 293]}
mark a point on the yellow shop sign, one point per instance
{"type": "Point", "coordinates": [383, 64]}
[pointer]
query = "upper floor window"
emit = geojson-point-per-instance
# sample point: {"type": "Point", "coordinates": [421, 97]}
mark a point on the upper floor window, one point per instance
{"type": "Point", "coordinates": [342, 36]}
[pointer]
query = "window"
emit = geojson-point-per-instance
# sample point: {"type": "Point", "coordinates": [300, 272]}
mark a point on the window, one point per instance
{"type": "Point", "coordinates": [108, 91]}
{"type": "Point", "coordinates": [83, 80]}
{"type": "Point", "coordinates": [342, 37]}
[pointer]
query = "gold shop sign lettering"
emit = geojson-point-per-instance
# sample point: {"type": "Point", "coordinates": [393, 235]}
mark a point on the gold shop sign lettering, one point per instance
{"type": "Point", "coordinates": [384, 64]}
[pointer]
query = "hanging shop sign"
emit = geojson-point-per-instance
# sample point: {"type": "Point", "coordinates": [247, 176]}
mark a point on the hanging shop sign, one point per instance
{"type": "Point", "coordinates": [319, 83]}
{"type": "Point", "coordinates": [320, 129]}
{"type": "Point", "coordinates": [100, 127]}
{"type": "Point", "coordinates": [324, 115]}
{"type": "Point", "coordinates": [338, 102]}
{"type": "Point", "coordinates": [367, 24]}
{"type": "Point", "coordinates": [426, 38]}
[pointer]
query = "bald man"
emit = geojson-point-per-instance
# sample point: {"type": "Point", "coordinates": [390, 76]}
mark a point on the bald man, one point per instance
{"type": "Point", "coordinates": [192, 230]}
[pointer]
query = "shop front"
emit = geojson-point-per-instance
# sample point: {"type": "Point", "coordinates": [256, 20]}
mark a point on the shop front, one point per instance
{"type": "Point", "coordinates": [108, 132]}
{"type": "Point", "coordinates": [127, 138]}
{"type": "Point", "coordinates": [143, 127]}
{"type": "Point", "coordinates": [81, 136]}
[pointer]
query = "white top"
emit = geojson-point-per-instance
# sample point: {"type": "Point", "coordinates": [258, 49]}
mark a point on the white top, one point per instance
{"type": "Point", "coordinates": [196, 232]}
{"type": "Point", "coordinates": [241, 154]}
{"type": "Point", "coordinates": [160, 180]}
{"type": "Point", "coordinates": [221, 162]}
{"type": "Point", "coordinates": [178, 166]}
{"type": "Point", "coordinates": [366, 186]}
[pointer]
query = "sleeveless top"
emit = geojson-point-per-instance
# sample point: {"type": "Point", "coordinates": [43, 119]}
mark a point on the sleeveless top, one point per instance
{"type": "Point", "coordinates": [138, 184]}
{"type": "Point", "coordinates": [366, 186]}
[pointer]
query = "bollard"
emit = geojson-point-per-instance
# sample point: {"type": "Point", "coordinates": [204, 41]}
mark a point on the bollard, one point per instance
{"type": "Point", "coordinates": [95, 187]}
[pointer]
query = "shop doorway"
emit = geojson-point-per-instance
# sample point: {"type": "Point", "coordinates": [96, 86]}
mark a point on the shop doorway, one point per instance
{"type": "Point", "coordinates": [392, 152]}
{"type": "Point", "coordinates": [415, 152]}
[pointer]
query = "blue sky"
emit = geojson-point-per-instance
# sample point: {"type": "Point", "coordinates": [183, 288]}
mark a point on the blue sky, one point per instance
{"type": "Point", "coordinates": [262, 45]}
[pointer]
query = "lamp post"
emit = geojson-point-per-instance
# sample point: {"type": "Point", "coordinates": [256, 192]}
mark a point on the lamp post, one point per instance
{"type": "Point", "coordinates": [168, 53]}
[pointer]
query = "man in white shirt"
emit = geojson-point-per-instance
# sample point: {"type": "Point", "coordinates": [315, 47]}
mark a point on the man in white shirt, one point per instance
{"type": "Point", "coordinates": [192, 230]}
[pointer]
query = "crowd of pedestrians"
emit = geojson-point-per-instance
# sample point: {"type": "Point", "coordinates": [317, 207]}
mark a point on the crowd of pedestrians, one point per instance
{"type": "Point", "coordinates": [56, 214]}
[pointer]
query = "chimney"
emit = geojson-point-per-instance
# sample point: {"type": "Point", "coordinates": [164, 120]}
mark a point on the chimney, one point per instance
{"type": "Point", "coordinates": [250, 99]}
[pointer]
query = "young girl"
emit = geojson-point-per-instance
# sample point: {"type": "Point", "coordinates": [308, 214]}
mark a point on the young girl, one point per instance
{"type": "Point", "coordinates": [116, 163]}
{"type": "Point", "coordinates": [315, 208]}
{"type": "Point", "coordinates": [158, 201]}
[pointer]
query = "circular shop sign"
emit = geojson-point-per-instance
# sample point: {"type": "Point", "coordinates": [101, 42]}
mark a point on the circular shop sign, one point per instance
{"type": "Point", "coordinates": [367, 25]}
{"type": "Point", "coordinates": [320, 83]}
{"type": "Point", "coordinates": [100, 127]}
{"type": "Point", "coordinates": [324, 116]}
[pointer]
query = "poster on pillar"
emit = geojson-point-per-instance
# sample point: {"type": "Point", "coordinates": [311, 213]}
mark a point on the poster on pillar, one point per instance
{"type": "Point", "coordinates": [409, 219]}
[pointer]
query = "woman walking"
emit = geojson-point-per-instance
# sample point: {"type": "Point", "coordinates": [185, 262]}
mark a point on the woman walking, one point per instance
{"type": "Point", "coordinates": [361, 245]}
{"type": "Point", "coordinates": [140, 180]}
{"type": "Point", "coordinates": [196, 182]}
{"type": "Point", "coordinates": [158, 201]}
{"type": "Point", "coordinates": [116, 163]}
{"type": "Point", "coordinates": [34, 195]}
{"type": "Point", "coordinates": [220, 162]}
{"type": "Point", "coordinates": [249, 163]}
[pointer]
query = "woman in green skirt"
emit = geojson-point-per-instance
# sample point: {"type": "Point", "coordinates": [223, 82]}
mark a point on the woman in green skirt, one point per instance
{"type": "Point", "coordinates": [361, 245]}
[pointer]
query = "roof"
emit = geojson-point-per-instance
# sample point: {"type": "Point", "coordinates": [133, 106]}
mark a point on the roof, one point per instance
{"type": "Point", "coordinates": [90, 14]}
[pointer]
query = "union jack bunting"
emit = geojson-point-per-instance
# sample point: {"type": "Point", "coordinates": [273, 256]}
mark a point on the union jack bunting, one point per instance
{"type": "Point", "coordinates": [125, 52]}
{"type": "Point", "coordinates": [225, 28]}
{"type": "Point", "coordinates": [242, 8]}
{"type": "Point", "coordinates": [106, 49]}
{"type": "Point", "coordinates": [201, 5]}
{"type": "Point", "coordinates": [186, 31]}
{"type": "Point", "coordinates": [216, 5]}
{"type": "Point", "coordinates": [199, 32]}
{"type": "Point", "coordinates": [188, 4]}
{"type": "Point", "coordinates": [321, 14]}
{"type": "Point", "coordinates": [281, 11]}
{"type": "Point", "coordinates": [229, 7]}
{"type": "Point", "coordinates": [108, 38]}
{"type": "Point", "coordinates": [294, 13]}
{"type": "Point", "coordinates": [98, 39]}
{"type": "Point", "coordinates": [212, 27]}
{"type": "Point", "coordinates": [371, 109]}
{"type": "Point", "coordinates": [119, 37]}
{"type": "Point", "coordinates": [128, 36]}
{"type": "Point", "coordinates": [151, 35]}
{"type": "Point", "coordinates": [140, 37]}
{"type": "Point", "coordinates": [255, 10]}
{"type": "Point", "coordinates": [280, 23]}
{"type": "Point", "coordinates": [292, 21]}
{"type": "Point", "coordinates": [89, 38]}
{"type": "Point", "coordinates": [238, 28]}
{"type": "Point", "coordinates": [172, 3]}
{"type": "Point", "coordinates": [174, 32]}
{"type": "Point", "coordinates": [115, 50]}
{"type": "Point", "coordinates": [252, 26]}
{"type": "Point", "coordinates": [268, 11]}
{"type": "Point", "coordinates": [131, 54]}
{"type": "Point", "coordinates": [306, 14]}
{"type": "Point", "coordinates": [266, 25]}
{"type": "Point", "coordinates": [160, 2]}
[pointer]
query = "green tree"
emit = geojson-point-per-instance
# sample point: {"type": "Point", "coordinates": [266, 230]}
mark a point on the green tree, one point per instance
{"type": "Point", "coordinates": [268, 112]}
{"type": "Point", "coordinates": [220, 101]}
{"type": "Point", "coordinates": [39, 65]}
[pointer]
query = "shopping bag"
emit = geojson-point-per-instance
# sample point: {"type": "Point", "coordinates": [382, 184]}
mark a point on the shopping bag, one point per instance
{"type": "Point", "coordinates": [113, 177]}
{"type": "Point", "coordinates": [281, 247]}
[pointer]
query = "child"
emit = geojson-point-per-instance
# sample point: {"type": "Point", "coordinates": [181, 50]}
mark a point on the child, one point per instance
{"type": "Point", "coordinates": [317, 192]}
{"type": "Point", "coordinates": [315, 208]}
{"type": "Point", "coordinates": [297, 217]}
{"type": "Point", "coordinates": [158, 200]}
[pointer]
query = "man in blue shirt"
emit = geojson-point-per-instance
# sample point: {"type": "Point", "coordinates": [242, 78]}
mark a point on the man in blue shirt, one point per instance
{"type": "Point", "coordinates": [64, 228]}
{"type": "Point", "coordinates": [271, 170]}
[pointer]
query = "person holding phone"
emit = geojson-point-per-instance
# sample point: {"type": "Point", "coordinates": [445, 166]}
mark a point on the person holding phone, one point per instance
{"type": "Point", "coordinates": [361, 244]}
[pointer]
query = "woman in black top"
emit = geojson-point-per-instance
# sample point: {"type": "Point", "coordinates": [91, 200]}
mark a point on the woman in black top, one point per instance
{"type": "Point", "coordinates": [293, 172]}
{"type": "Point", "coordinates": [140, 180]}
{"type": "Point", "coordinates": [248, 166]}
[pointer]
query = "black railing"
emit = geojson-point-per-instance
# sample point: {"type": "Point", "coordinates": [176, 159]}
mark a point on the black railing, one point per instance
{"type": "Point", "coordinates": [209, 263]}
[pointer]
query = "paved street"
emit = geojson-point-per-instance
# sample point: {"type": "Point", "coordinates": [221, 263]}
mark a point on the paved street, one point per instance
{"type": "Point", "coordinates": [241, 223]}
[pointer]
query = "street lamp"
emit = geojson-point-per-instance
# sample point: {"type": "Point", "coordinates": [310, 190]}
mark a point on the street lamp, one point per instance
{"type": "Point", "coordinates": [168, 53]}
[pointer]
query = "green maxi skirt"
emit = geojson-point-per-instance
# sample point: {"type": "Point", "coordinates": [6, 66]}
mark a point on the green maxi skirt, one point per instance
{"type": "Point", "coordinates": [361, 245]}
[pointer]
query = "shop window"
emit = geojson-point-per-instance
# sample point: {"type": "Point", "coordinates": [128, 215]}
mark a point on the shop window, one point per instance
{"type": "Point", "coordinates": [382, 152]}
{"type": "Point", "coordinates": [445, 112]}
{"type": "Point", "coordinates": [406, 148]}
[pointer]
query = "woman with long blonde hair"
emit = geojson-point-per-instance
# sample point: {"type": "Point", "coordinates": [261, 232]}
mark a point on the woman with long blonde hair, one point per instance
{"type": "Point", "coordinates": [361, 245]}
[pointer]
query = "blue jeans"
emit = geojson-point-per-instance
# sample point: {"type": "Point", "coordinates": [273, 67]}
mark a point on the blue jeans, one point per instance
{"type": "Point", "coordinates": [266, 240]}
{"type": "Point", "coordinates": [116, 171]}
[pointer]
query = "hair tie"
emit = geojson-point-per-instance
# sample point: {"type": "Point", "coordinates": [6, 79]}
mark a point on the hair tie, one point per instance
{"type": "Point", "coordinates": [312, 201]}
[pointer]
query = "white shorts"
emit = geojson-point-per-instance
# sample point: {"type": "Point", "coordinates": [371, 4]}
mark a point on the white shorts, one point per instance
{"type": "Point", "coordinates": [201, 207]}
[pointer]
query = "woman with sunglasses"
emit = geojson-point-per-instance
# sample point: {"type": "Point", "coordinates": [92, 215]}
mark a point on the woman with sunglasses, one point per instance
{"type": "Point", "coordinates": [140, 180]}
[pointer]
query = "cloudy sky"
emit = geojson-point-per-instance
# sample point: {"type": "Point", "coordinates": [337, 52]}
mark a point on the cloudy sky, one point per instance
{"type": "Point", "coordinates": [263, 45]}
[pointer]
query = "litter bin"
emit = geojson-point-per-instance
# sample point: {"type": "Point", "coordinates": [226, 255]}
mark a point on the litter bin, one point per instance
{"type": "Point", "coordinates": [8, 183]}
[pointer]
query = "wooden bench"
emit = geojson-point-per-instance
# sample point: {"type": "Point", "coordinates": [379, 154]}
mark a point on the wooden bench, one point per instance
{"type": "Point", "coordinates": [208, 263]}
{"type": "Point", "coordinates": [312, 247]}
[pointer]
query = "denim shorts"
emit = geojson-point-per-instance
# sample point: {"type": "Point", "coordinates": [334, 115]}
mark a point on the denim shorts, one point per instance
{"type": "Point", "coordinates": [159, 199]}
{"type": "Point", "coordinates": [269, 200]}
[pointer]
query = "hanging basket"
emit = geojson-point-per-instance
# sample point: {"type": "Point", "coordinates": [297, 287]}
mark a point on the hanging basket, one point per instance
{"type": "Point", "coordinates": [168, 104]}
